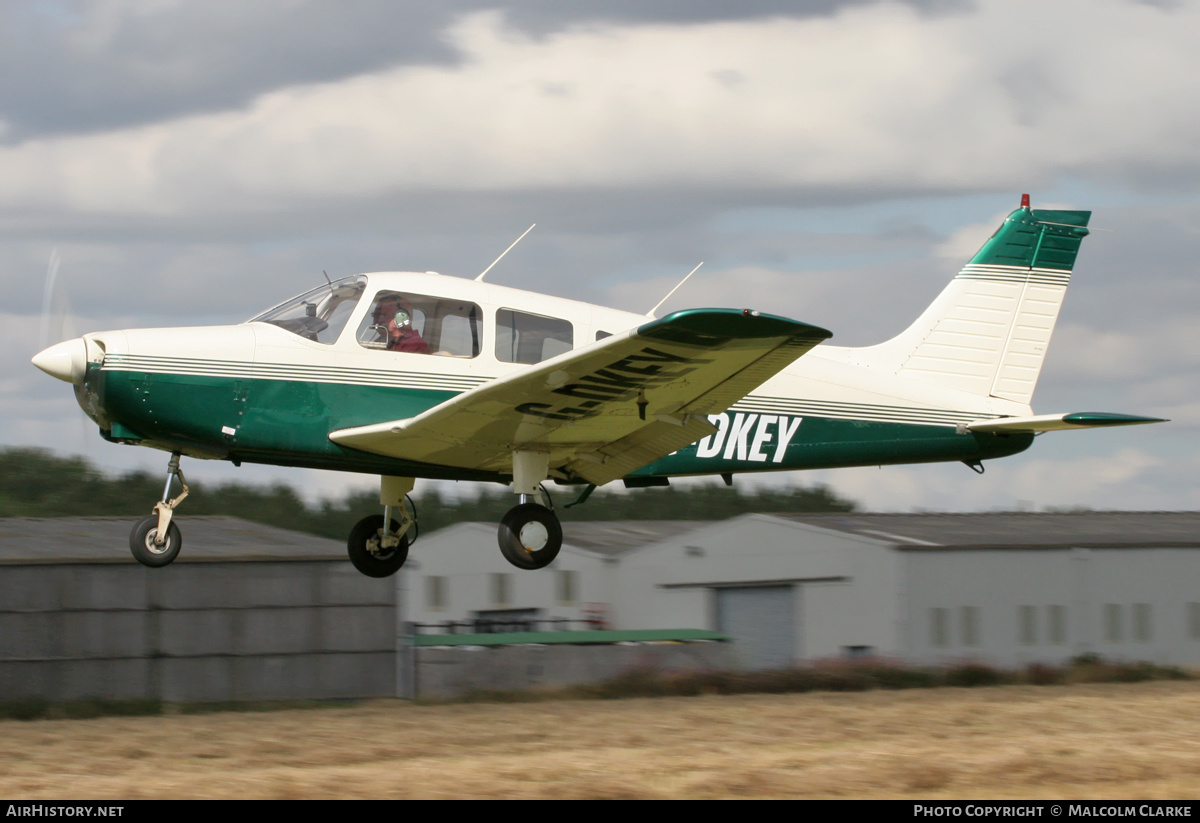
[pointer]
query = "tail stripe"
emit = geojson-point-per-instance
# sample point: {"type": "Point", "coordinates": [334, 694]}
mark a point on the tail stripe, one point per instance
{"type": "Point", "coordinates": [1015, 274]}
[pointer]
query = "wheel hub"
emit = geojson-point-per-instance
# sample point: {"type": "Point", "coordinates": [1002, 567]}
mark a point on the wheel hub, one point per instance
{"type": "Point", "coordinates": [534, 536]}
{"type": "Point", "coordinates": [152, 546]}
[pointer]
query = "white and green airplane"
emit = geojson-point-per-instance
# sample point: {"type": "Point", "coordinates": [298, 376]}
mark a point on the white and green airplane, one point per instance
{"type": "Point", "coordinates": [409, 375]}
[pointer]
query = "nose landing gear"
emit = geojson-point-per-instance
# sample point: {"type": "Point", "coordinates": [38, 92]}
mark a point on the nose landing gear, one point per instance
{"type": "Point", "coordinates": [155, 541]}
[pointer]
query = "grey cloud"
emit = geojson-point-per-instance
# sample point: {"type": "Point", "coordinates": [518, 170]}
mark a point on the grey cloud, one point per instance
{"type": "Point", "coordinates": [1033, 91]}
{"type": "Point", "coordinates": [78, 66]}
{"type": "Point", "coordinates": [544, 16]}
{"type": "Point", "coordinates": [1165, 5]}
{"type": "Point", "coordinates": [86, 65]}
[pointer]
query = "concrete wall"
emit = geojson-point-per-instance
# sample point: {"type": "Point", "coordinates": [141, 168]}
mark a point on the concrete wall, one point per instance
{"type": "Point", "coordinates": [218, 631]}
{"type": "Point", "coordinates": [196, 632]}
{"type": "Point", "coordinates": [454, 671]}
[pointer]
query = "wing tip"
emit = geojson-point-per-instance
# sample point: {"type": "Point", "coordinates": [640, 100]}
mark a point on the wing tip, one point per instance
{"type": "Point", "coordinates": [710, 327]}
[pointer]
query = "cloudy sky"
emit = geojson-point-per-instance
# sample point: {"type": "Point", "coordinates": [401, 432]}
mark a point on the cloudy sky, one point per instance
{"type": "Point", "coordinates": [833, 161]}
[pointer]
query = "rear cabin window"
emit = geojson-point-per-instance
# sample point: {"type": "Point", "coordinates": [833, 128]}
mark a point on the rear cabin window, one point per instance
{"type": "Point", "coordinates": [530, 338]}
{"type": "Point", "coordinates": [421, 324]}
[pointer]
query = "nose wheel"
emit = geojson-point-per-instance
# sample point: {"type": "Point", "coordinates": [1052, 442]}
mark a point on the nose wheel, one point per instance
{"type": "Point", "coordinates": [155, 540]}
{"type": "Point", "coordinates": [530, 536]}
{"type": "Point", "coordinates": [146, 548]}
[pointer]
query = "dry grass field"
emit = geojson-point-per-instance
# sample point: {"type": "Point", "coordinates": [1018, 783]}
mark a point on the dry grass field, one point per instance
{"type": "Point", "coordinates": [1073, 742]}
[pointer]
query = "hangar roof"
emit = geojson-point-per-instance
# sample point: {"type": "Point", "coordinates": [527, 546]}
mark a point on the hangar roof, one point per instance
{"type": "Point", "coordinates": [106, 540]}
{"type": "Point", "coordinates": [616, 537]}
{"type": "Point", "coordinates": [209, 538]}
{"type": "Point", "coordinates": [1042, 530]}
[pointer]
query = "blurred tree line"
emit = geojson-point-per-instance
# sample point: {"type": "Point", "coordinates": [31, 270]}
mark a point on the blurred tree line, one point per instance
{"type": "Point", "coordinates": [36, 483]}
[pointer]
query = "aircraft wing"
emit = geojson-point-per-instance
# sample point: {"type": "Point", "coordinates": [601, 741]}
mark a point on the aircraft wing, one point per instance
{"type": "Point", "coordinates": [605, 410]}
{"type": "Point", "coordinates": [1058, 422]}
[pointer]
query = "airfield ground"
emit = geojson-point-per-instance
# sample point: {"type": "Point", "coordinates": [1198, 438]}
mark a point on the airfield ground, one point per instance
{"type": "Point", "coordinates": [1089, 741]}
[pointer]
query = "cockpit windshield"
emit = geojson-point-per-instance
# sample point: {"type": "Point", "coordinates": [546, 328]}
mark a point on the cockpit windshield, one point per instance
{"type": "Point", "coordinates": [320, 314]}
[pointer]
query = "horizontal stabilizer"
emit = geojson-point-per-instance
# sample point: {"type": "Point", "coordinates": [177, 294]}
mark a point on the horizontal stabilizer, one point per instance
{"type": "Point", "coordinates": [1059, 422]}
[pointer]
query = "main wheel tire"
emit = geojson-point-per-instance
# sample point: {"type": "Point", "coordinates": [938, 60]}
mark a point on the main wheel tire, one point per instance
{"type": "Point", "coordinates": [530, 536]}
{"type": "Point", "coordinates": [364, 551]}
{"type": "Point", "coordinates": [141, 543]}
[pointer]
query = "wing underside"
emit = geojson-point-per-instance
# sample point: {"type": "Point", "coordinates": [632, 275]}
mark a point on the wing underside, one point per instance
{"type": "Point", "coordinates": [602, 411]}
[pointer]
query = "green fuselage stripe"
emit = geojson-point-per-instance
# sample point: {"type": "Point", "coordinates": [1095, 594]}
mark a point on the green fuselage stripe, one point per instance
{"type": "Point", "coordinates": [287, 422]}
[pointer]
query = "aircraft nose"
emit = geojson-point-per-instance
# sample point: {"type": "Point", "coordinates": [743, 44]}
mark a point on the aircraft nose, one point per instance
{"type": "Point", "coordinates": [66, 360]}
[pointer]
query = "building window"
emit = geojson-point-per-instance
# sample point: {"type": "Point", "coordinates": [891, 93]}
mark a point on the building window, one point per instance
{"type": "Point", "coordinates": [500, 589]}
{"type": "Point", "coordinates": [1143, 627]}
{"type": "Point", "coordinates": [1194, 621]}
{"type": "Point", "coordinates": [968, 625]}
{"type": "Point", "coordinates": [1027, 625]}
{"type": "Point", "coordinates": [1112, 622]}
{"type": "Point", "coordinates": [566, 585]}
{"type": "Point", "coordinates": [1056, 624]}
{"type": "Point", "coordinates": [435, 593]}
{"type": "Point", "coordinates": [939, 627]}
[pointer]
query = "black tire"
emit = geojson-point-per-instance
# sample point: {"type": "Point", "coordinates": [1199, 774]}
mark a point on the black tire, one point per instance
{"type": "Point", "coordinates": [544, 546]}
{"type": "Point", "coordinates": [382, 564]}
{"type": "Point", "coordinates": [141, 543]}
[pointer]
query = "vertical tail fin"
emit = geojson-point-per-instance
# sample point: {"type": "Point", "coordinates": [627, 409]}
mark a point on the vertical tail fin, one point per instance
{"type": "Point", "coordinates": [988, 331]}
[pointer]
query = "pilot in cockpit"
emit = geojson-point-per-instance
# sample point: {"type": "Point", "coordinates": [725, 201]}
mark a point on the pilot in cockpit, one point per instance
{"type": "Point", "coordinates": [393, 314]}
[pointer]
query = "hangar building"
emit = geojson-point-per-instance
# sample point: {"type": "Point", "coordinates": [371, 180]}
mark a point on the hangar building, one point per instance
{"type": "Point", "coordinates": [251, 612]}
{"type": "Point", "coordinates": [1004, 588]}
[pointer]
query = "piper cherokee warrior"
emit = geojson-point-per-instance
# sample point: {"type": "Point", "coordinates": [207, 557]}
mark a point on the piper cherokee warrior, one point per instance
{"type": "Point", "coordinates": [409, 375]}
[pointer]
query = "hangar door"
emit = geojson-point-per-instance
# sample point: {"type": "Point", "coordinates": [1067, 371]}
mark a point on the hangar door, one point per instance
{"type": "Point", "coordinates": [761, 621]}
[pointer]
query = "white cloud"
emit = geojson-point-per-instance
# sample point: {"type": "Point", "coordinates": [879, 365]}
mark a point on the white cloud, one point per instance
{"type": "Point", "coordinates": [1124, 478]}
{"type": "Point", "coordinates": [874, 97]}
{"type": "Point", "coordinates": [1137, 352]}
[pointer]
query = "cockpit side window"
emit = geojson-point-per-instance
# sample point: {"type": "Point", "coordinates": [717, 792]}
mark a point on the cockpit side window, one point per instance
{"type": "Point", "coordinates": [421, 324]}
{"type": "Point", "coordinates": [318, 315]}
{"type": "Point", "coordinates": [530, 338]}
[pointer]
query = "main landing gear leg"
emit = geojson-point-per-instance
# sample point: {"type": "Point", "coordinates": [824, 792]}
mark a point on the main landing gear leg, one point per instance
{"type": "Point", "coordinates": [155, 540]}
{"type": "Point", "coordinates": [530, 535]}
{"type": "Point", "coordinates": [379, 551]}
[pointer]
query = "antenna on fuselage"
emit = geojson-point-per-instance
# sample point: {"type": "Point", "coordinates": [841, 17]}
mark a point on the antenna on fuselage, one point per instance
{"type": "Point", "coordinates": [506, 251]}
{"type": "Point", "coordinates": [672, 291]}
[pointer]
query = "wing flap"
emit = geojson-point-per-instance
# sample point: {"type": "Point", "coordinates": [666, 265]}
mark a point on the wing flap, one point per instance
{"type": "Point", "coordinates": [645, 445]}
{"type": "Point", "coordinates": [606, 409]}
